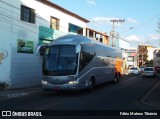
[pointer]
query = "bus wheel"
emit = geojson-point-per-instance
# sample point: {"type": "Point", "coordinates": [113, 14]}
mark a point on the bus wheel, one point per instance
{"type": "Point", "coordinates": [117, 77]}
{"type": "Point", "coordinates": [91, 84]}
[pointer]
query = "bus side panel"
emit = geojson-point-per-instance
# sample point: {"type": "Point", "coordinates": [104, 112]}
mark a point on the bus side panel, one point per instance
{"type": "Point", "coordinates": [100, 68]}
{"type": "Point", "coordinates": [85, 75]}
{"type": "Point", "coordinates": [89, 71]}
{"type": "Point", "coordinates": [119, 65]}
{"type": "Point", "coordinates": [103, 69]}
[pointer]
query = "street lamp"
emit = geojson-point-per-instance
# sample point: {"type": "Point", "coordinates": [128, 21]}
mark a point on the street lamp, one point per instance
{"type": "Point", "coordinates": [131, 28]}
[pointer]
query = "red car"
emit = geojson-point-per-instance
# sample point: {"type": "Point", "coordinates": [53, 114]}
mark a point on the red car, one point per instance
{"type": "Point", "coordinates": [157, 68]}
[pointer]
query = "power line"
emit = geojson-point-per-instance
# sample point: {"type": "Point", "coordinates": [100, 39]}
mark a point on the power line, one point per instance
{"type": "Point", "coordinates": [100, 8]}
{"type": "Point", "coordinates": [143, 24]}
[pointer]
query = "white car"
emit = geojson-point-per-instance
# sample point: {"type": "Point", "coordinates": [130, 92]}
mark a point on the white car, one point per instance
{"type": "Point", "coordinates": [134, 70]}
{"type": "Point", "coordinates": [149, 71]}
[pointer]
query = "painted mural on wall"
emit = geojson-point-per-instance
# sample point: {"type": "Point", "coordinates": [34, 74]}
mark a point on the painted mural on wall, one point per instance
{"type": "Point", "coordinates": [25, 46]}
{"type": "Point", "coordinates": [3, 55]}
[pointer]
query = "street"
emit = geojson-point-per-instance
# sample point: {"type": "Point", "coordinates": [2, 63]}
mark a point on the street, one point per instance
{"type": "Point", "coordinates": [125, 95]}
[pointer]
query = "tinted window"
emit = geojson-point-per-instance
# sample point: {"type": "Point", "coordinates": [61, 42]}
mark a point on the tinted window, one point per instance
{"type": "Point", "coordinates": [133, 68]}
{"type": "Point", "coordinates": [87, 54]}
{"type": "Point", "coordinates": [142, 67]}
{"type": "Point", "coordinates": [148, 69]}
{"type": "Point", "coordinates": [60, 60]}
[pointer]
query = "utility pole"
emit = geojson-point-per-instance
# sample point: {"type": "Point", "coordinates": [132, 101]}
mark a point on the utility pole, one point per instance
{"type": "Point", "coordinates": [112, 33]}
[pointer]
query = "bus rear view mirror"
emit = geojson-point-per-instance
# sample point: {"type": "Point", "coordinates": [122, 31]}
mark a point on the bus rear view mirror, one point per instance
{"type": "Point", "coordinates": [41, 49]}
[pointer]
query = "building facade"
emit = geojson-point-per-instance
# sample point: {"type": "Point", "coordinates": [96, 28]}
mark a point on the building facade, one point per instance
{"type": "Point", "coordinates": [144, 54]}
{"type": "Point", "coordinates": [24, 24]}
{"type": "Point", "coordinates": [156, 57]}
{"type": "Point", "coordinates": [131, 60]}
{"type": "Point", "coordinates": [151, 53]}
{"type": "Point", "coordinates": [119, 43]}
{"type": "Point", "coordinates": [96, 35]}
{"type": "Point", "coordinates": [123, 45]}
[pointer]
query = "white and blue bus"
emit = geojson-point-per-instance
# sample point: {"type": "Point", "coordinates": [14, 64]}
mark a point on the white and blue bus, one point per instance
{"type": "Point", "coordinates": [75, 62]}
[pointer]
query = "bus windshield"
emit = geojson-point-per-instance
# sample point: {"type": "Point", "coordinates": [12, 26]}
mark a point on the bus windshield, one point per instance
{"type": "Point", "coordinates": [60, 60]}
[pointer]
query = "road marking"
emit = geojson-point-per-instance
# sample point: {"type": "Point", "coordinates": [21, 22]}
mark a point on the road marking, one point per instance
{"type": "Point", "coordinates": [16, 95]}
{"type": "Point", "coordinates": [129, 79]}
{"type": "Point", "coordinates": [147, 95]}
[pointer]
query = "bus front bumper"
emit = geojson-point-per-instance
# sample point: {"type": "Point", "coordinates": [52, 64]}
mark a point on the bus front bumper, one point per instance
{"type": "Point", "coordinates": [71, 86]}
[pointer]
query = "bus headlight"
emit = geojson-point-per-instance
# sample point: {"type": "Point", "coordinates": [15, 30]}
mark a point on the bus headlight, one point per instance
{"type": "Point", "coordinates": [44, 82]}
{"type": "Point", "coordinates": [73, 82]}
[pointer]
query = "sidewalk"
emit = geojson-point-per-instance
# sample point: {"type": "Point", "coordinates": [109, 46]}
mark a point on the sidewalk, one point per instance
{"type": "Point", "coordinates": [152, 97]}
{"type": "Point", "coordinates": [12, 93]}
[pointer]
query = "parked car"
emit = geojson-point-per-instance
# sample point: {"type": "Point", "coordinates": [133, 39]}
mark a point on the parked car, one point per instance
{"type": "Point", "coordinates": [149, 71]}
{"type": "Point", "coordinates": [134, 70]}
{"type": "Point", "coordinates": [157, 68]}
{"type": "Point", "coordinates": [141, 69]}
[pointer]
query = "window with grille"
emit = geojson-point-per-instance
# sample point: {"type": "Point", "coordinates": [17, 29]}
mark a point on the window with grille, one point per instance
{"type": "Point", "coordinates": [27, 14]}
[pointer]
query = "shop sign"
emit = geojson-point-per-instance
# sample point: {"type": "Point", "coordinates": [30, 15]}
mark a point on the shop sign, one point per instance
{"type": "Point", "coordinates": [25, 46]}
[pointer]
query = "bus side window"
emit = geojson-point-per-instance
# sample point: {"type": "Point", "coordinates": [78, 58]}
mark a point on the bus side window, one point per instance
{"type": "Point", "coordinates": [87, 54]}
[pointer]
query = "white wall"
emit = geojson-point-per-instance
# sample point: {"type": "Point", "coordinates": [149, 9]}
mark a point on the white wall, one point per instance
{"type": "Point", "coordinates": [156, 59]}
{"type": "Point", "coordinates": [45, 12]}
{"type": "Point", "coordinates": [18, 69]}
{"type": "Point", "coordinates": [150, 53]}
{"type": "Point", "coordinates": [5, 45]}
{"type": "Point", "coordinates": [23, 69]}
{"type": "Point", "coordinates": [5, 48]}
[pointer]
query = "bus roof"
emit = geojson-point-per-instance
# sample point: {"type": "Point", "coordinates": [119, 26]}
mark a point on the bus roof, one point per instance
{"type": "Point", "coordinates": [71, 39]}
{"type": "Point", "coordinates": [79, 39]}
{"type": "Point", "coordinates": [76, 39]}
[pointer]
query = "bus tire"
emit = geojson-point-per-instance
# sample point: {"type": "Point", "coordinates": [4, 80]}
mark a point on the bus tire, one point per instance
{"type": "Point", "coordinates": [91, 84]}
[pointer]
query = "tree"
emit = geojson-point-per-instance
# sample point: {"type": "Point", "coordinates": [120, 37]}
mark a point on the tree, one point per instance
{"type": "Point", "coordinates": [149, 63]}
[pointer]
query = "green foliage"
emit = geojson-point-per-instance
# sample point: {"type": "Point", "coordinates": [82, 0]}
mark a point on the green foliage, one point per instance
{"type": "Point", "coordinates": [149, 63]}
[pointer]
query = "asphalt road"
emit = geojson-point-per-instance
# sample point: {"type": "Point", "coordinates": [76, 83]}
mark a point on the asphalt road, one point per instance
{"type": "Point", "coordinates": [125, 95]}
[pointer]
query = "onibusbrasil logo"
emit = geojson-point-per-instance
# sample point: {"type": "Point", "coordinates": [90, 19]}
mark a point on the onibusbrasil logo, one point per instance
{"type": "Point", "coordinates": [20, 114]}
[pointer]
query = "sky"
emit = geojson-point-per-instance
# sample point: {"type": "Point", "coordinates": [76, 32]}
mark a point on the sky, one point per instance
{"type": "Point", "coordinates": [141, 18]}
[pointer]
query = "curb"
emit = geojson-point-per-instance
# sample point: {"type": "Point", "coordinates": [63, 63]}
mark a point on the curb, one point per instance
{"type": "Point", "coordinates": [15, 95]}
{"type": "Point", "coordinates": [19, 93]}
